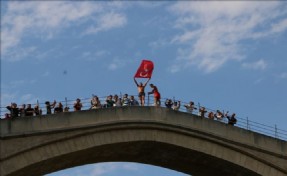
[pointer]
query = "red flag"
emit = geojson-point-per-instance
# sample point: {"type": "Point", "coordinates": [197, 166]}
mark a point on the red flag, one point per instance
{"type": "Point", "coordinates": [145, 69]}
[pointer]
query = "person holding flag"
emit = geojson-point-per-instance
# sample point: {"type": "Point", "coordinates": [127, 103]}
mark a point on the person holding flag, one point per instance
{"type": "Point", "coordinates": [144, 71]}
{"type": "Point", "coordinates": [141, 91]}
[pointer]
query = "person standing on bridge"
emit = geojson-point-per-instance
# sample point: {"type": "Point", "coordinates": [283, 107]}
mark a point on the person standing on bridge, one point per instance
{"type": "Point", "coordinates": [133, 101]}
{"type": "Point", "coordinates": [231, 119]}
{"type": "Point", "coordinates": [14, 111]}
{"type": "Point", "coordinates": [202, 112]}
{"type": "Point", "coordinates": [58, 108]}
{"type": "Point", "coordinates": [190, 107]}
{"type": "Point", "coordinates": [141, 91]}
{"type": "Point", "coordinates": [37, 110]}
{"type": "Point", "coordinates": [49, 106]}
{"type": "Point", "coordinates": [95, 102]}
{"type": "Point", "coordinates": [109, 102]}
{"type": "Point", "coordinates": [176, 105]}
{"type": "Point", "coordinates": [117, 101]}
{"type": "Point", "coordinates": [156, 95]}
{"type": "Point", "coordinates": [144, 72]}
{"type": "Point", "coordinates": [29, 111]}
{"type": "Point", "coordinates": [78, 105]}
{"type": "Point", "coordinates": [168, 103]}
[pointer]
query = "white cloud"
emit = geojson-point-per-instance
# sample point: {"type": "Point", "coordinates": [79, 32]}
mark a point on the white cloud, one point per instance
{"type": "Point", "coordinates": [44, 19]}
{"type": "Point", "coordinates": [20, 53]}
{"type": "Point", "coordinates": [258, 65]}
{"type": "Point", "coordinates": [116, 64]}
{"type": "Point", "coordinates": [107, 22]}
{"type": "Point", "coordinates": [279, 27]}
{"type": "Point", "coordinates": [213, 31]}
{"type": "Point", "coordinates": [7, 98]}
{"type": "Point", "coordinates": [94, 56]}
{"type": "Point", "coordinates": [28, 98]}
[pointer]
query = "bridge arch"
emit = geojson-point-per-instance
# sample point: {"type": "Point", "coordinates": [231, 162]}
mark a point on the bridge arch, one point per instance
{"type": "Point", "coordinates": [148, 135]}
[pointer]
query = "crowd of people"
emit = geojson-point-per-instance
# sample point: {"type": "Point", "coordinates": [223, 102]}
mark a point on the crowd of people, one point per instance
{"type": "Point", "coordinates": [118, 101]}
{"type": "Point", "coordinates": [202, 112]}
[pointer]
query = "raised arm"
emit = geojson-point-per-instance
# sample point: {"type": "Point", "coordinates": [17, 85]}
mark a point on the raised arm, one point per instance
{"type": "Point", "coordinates": [136, 82]}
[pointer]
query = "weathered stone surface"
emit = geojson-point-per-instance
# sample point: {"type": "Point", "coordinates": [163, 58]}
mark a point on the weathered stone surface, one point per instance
{"type": "Point", "coordinates": [157, 136]}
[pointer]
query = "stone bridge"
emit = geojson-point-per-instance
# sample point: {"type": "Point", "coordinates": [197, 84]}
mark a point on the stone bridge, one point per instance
{"type": "Point", "coordinates": [151, 135]}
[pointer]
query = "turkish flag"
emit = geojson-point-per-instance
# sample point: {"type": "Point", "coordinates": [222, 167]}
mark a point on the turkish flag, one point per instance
{"type": "Point", "coordinates": [145, 69]}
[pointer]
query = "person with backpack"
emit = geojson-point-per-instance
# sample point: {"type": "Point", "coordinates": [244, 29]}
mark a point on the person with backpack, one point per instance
{"type": "Point", "coordinates": [231, 119]}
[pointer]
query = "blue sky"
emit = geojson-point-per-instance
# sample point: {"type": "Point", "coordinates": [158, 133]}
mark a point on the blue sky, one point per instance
{"type": "Point", "coordinates": [227, 55]}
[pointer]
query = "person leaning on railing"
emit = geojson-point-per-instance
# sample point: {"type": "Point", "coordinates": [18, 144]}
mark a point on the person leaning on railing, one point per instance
{"type": "Point", "coordinates": [156, 95]}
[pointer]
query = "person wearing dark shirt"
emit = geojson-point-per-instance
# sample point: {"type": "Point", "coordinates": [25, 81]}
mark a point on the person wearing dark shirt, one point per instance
{"type": "Point", "coordinates": [37, 110]}
{"type": "Point", "coordinates": [14, 111]}
{"type": "Point", "coordinates": [22, 110]}
{"type": "Point", "coordinates": [50, 106]}
{"type": "Point", "coordinates": [231, 119]}
{"type": "Point", "coordinates": [58, 108]}
{"type": "Point", "coordinates": [168, 103]}
{"type": "Point", "coordinates": [78, 105]}
{"type": "Point", "coordinates": [29, 110]}
{"type": "Point", "coordinates": [202, 112]}
{"type": "Point", "coordinates": [133, 101]}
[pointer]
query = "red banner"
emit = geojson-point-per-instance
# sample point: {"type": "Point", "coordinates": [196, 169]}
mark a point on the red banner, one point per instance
{"type": "Point", "coordinates": [145, 69]}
